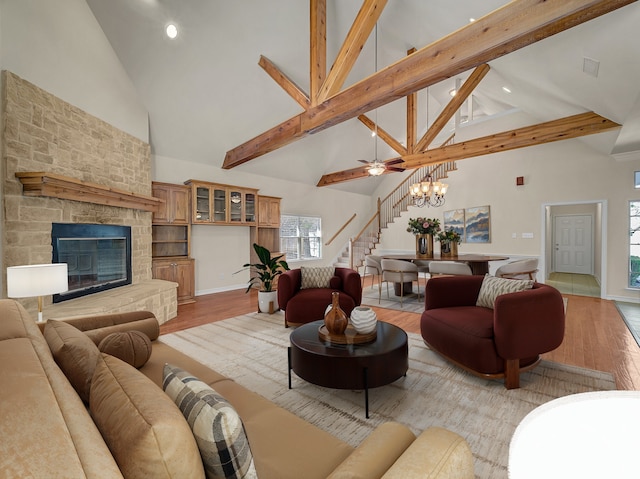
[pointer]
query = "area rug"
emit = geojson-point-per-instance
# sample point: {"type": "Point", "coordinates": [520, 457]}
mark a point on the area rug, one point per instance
{"type": "Point", "coordinates": [411, 302]}
{"type": "Point", "coordinates": [252, 349]}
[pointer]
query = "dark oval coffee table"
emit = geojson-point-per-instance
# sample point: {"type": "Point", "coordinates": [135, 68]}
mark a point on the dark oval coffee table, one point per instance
{"type": "Point", "coordinates": [349, 366]}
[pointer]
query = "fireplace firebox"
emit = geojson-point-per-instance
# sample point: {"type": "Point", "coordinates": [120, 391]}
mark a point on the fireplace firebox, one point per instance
{"type": "Point", "coordinates": [98, 257]}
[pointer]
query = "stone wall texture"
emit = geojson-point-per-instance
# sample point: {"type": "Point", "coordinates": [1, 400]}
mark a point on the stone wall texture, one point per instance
{"type": "Point", "coordinates": [42, 133]}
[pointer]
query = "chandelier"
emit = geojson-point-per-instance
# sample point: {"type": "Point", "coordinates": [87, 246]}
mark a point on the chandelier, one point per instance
{"type": "Point", "coordinates": [428, 193]}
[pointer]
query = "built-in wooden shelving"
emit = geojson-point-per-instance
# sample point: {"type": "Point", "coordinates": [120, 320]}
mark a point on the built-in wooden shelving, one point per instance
{"type": "Point", "coordinates": [64, 187]}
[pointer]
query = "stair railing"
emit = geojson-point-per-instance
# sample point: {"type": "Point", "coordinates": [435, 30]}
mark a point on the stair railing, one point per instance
{"type": "Point", "coordinates": [341, 229]}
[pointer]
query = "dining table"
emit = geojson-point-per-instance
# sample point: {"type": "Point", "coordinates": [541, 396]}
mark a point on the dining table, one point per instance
{"type": "Point", "coordinates": [479, 263]}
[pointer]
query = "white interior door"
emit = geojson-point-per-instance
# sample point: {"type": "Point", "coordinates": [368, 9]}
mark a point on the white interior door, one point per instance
{"type": "Point", "coordinates": [573, 240]}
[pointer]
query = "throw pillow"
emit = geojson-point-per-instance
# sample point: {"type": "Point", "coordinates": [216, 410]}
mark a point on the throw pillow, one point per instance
{"type": "Point", "coordinates": [493, 287]}
{"type": "Point", "coordinates": [143, 428]}
{"type": "Point", "coordinates": [316, 277]}
{"type": "Point", "coordinates": [74, 353]}
{"type": "Point", "coordinates": [218, 429]}
{"type": "Point", "coordinates": [133, 347]}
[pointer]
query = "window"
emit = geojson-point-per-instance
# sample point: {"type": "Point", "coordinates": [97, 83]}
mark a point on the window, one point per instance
{"type": "Point", "coordinates": [301, 237]}
{"type": "Point", "coordinates": [634, 244]}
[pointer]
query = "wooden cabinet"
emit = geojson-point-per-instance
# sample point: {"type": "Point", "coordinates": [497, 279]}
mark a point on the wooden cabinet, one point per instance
{"type": "Point", "coordinates": [215, 203]}
{"type": "Point", "coordinates": [180, 270]}
{"type": "Point", "coordinates": [176, 207]}
{"type": "Point", "coordinates": [269, 211]}
{"type": "Point", "coordinates": [171, 239]}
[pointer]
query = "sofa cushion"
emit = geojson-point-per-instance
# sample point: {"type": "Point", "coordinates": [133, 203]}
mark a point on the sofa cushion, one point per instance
{"type": "Point", "coordinates": [316, 277]}
{"type": "Point", "coordinates": [144, 429]}
{"type": "Point", "coordinates": [493, 287]}
{"type": "Point", "coordinates": [74, 353]}
{"type": "Point", "coordinates": [133, 347]}
{"type": "Point", "coordinates": [218, 429]}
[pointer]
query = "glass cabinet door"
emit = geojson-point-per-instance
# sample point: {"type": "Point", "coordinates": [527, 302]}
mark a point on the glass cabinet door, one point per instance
{"type": "Point", "coordinates": [250, 207]}
{"type": "Point", "coordinates": [219, 205]}
{"type": "Point", "coordinates": [203, 211]}
{"type": "Point", "coordinates": [236, 206]}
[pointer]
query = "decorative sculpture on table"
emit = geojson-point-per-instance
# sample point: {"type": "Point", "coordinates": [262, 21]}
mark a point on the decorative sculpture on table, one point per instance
{"type": "Point", "coordinates": [335, 319]}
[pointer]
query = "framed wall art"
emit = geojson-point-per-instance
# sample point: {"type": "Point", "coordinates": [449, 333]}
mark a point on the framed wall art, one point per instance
{"type": "Point", "coordinates": [454, 220]}
{"type": "Point", "coordinates": [477, 225]}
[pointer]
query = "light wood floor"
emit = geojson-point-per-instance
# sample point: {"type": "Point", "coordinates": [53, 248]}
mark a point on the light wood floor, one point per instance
{"type": "Point", "coordinates": [596, 336]}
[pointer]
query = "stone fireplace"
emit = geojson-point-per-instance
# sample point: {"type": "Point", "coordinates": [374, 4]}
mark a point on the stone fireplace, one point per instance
{"type": "Point", "coordinates": [42, 133]}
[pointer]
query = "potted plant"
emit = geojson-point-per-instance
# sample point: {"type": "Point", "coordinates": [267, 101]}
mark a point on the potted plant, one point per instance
{"type": "Point", "coordinates": [424, 229]}
{"type": "Point", "coordinates": [266, 270]}
{"type": "Point", "coordinates": [449, 241]}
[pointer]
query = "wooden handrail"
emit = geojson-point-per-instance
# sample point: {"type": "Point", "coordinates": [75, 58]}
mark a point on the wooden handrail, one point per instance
{"type": "Point", "coordinates": [376, 215]}
{"type": "Point", "coordinates": [341, 229]}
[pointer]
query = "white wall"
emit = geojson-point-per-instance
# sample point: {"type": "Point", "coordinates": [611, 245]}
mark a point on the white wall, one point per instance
{"type": "Point", "coordinates": [220, 251]}
{"type": "Point", "coordinates": [60, 47]}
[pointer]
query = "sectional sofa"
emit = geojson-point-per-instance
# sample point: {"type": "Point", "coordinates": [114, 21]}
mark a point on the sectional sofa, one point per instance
{"type": "Point", "coordinates": [69, 410]}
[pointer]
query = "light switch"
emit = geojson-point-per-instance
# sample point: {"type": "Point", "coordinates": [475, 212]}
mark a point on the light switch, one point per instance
{"type": "Point", "coordinates": [514, 235]}
{"type": "Point", "coordinates": [527, 235]}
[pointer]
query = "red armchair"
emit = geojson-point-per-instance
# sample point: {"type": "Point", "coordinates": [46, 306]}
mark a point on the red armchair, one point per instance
{"type": "Point", "coordinates": [491, 343]}
{"type": "Point", "coordinates": [306, 305]}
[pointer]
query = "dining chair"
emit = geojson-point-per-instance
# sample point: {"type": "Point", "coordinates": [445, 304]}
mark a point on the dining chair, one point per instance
{"type": "Point", "coordinates": [373, 263]}
{"type": "Point", "coordinates": [398, 271]}
{"type": "Point", "coordinates": [519, 269]}
{"type": "Point", "coordinates": [449, 268]}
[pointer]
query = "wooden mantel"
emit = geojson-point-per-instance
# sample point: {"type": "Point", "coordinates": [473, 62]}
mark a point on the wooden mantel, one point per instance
{"type": "Point", "coordinates": [63, 187]}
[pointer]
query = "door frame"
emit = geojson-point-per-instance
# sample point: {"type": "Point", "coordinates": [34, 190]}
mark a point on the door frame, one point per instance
{"type": "Point", "coordinates": [546, 246]}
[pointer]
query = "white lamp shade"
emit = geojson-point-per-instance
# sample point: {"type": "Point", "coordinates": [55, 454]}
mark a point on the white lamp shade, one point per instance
{"type": "Point", "coordinates": [37, 280]}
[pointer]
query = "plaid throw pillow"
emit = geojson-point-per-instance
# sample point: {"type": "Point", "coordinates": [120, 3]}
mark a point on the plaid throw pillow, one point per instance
{"type": "Point", "coordinates": [314, 277]}
{"type": "Point", "coordinates": [218, 429]}
{"type": "Point", "coordinates": [493, 287]}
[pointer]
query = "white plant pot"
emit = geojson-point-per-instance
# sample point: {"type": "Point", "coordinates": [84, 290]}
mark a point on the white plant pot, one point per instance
{"type": "Point", "coordinates": [264, 298]}
{"type": "Point", "coordinates": [363, 319]}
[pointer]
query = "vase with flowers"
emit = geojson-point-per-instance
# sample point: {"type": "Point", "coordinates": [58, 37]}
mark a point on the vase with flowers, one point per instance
{"type": "Point", "coordinates": [449, 241]}
{"type": "Point", "coordinates": [424, 230]}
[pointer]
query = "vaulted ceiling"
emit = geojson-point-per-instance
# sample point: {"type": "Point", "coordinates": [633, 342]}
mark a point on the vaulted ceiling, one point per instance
{"type": "Point", "coordinates": [206, 93]}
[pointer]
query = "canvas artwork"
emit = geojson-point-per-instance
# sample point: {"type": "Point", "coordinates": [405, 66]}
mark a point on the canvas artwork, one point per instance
{"type": "Point", "coordinates": [454, 220]}
{"type": "Point", "coordinates": [477, 224]}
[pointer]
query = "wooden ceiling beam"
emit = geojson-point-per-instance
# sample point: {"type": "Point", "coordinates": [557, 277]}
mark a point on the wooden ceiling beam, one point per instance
{"type": "Point", "coordinates": [285, 82]}
{"type": "Point", "coordinates": [563, 129]}
{"type": "Point", "coordinates": [412, 116]}
{"type": "Point", "coordinates": [358, 34]}
{"type": "Point", "coordinates": [452, 107]}
{"type": "Point", "coordinates": [511, 27]}
{"type": "Point", "coordinates": [348, 175]}
{"type": "Point", "coordinates": [566, 128]}
{"type": "Point", "coordinates": [383, 135]}
{"type": "Point", "coordinates": [318, 48]}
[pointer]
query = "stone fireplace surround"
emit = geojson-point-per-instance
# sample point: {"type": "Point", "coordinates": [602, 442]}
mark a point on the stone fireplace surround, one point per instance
{"type": "Point", "coordinates": [44, 133]}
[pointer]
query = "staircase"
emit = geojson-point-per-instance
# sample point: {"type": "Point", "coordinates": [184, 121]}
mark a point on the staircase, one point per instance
{"type": "Point", "coordinates": [390, 208]}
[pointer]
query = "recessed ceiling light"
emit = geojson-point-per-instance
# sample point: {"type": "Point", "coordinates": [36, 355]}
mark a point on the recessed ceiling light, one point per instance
{"type": "Point", "coordinates": [171, 30]}
{"type": "Point", "coordinates": [471, 20]}
{"type": "Point", "coordinates": [453, 92]}
{"type": "Point", "coordinates": [504, 88]}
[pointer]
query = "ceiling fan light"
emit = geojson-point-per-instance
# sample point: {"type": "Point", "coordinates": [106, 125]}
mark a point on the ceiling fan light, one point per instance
{"type": "Point", "coordinates": [376, 169]}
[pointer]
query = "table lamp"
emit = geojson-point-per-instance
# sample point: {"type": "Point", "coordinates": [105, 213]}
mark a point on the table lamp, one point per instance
{"type": "Point", "coordinates": [37, 280]}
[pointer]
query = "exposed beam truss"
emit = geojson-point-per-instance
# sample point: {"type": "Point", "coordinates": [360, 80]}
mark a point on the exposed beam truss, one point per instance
{"type": "Point", "coordinates": [507, 29]}
{"type": "Point", "coordinates": [563, 129]}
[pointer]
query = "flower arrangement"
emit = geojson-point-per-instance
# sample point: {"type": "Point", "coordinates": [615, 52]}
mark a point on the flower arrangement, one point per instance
{"type": "Point", "coordinates": [449, 236]}
{"type": "Point", "coordinates": [423, 225]}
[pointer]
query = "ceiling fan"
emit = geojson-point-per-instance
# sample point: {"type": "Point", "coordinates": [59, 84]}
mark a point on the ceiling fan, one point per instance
{"type": "Point", "coordinates": [378, 167]}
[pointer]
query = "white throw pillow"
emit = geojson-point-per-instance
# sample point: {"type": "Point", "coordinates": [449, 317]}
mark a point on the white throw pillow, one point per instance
{"type": "Point", "coordinates": [316, 277]}
{"type": "Point", "coordinates": [493, 287]}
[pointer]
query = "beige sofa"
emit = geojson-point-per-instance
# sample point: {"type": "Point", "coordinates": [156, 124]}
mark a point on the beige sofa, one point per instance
{"type": "Point", "coordinates": [46, 430]}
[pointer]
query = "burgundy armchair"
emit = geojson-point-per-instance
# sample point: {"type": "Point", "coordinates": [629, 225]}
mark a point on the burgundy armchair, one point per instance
{"type": "Point", "coordinates": [492, 343]}
{"type": "Point", "coordinates": [306, 305]}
